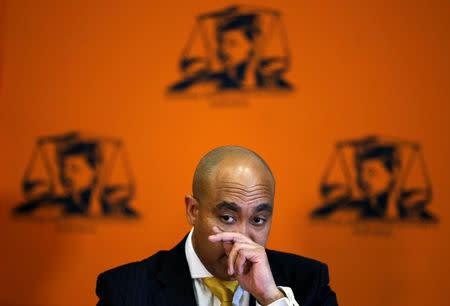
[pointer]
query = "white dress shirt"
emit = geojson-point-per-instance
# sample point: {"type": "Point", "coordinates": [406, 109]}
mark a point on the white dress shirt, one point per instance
{"type": "Point", "coordinates": [205, 297]}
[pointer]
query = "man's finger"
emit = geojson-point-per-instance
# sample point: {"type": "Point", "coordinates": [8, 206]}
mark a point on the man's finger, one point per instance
{"type": "Point", "coordinates": [227, 246]}
{"type": "Point", "coordinates": [229, 237]}
{"type": "Point", "coordinates": [231, 257]}
{"type": "Point", "coordinates": [251, 254]}
{"type": "Point", "coordinates": [234, 253]}
{"type": "Point", "coordinates": [239, 263]}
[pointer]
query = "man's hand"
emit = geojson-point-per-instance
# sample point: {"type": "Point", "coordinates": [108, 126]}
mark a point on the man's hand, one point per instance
{"type": "Point", "coordinates": [248, 262]}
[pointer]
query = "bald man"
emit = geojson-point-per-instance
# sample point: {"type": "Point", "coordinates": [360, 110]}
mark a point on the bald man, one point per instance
{"type": "Point", "coordinates": [223, 260]}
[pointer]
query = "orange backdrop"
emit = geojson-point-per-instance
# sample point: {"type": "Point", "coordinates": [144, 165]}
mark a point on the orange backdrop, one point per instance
{"type": "Point", "coordinates": [358, 67]}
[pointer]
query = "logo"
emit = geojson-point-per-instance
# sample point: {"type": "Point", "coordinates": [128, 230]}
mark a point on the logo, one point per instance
{"type": "Point", "coordinates": [238, 48]}
{"type": "Point", "coordinates": [77, 175]}
{"type": "Point", "coordinates": [376, 178]}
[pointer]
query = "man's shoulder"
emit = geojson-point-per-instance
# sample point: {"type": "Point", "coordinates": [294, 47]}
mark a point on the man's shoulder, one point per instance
{"type": "Point", "coordinates": [148, 269]}
{"type": "Point", "coordinates": [131, 283]}
{"type": "Point", "coordinates": [290, 264]}
{"type": "Point", "coordinates": [134, 269]}
{"type": "Point", "coordinates": [290, 258]}
{"type": "Point", "coordinates": [308, 278]}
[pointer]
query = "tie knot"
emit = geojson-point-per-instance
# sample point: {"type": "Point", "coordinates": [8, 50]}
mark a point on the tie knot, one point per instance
{"type": "Point", "coordinates": [223, 290]}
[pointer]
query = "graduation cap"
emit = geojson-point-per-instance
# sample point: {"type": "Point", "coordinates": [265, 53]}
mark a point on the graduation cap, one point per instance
{"type": "Point", "coordinates": [201, 52]}
{"type": "Point", "coordinates": [106, 156]}
{"type": "Point", "coordinates": [412, 185]}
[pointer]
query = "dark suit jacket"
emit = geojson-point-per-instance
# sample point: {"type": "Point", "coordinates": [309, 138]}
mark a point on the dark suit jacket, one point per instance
{"type": "Point", "coordinates": [164, 279]}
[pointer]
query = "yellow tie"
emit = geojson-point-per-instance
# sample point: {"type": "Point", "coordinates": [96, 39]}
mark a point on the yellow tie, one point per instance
{"type": "Point", "coordinates": [224, 290]}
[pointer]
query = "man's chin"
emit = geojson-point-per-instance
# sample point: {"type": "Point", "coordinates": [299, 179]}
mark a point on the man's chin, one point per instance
{"type": "Point", "coordinates": [225, 277]}
{"type": "Point", "coordinates": [222, 271]}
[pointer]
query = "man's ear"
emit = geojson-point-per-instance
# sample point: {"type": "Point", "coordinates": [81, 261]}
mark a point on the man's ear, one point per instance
{"type": "Point", "coordinates": [192, 207]}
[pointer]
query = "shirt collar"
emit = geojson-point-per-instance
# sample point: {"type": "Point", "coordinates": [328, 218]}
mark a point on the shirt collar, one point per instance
{"type": "Point", "coordinates": [196, 267]}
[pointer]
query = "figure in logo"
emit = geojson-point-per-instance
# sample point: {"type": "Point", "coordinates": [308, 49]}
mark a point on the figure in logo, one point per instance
{"type": "Point", "coordinates": [72, 173]}
{"type": "Point", "coordinates": [240, 48]}
{"type": "Point", "coordinates": [386, 180]}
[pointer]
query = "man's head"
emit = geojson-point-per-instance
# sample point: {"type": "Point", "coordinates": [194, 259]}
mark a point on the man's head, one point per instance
{"type": "Point", "coordinates": [233, 189]}
{"type": "Point", "coordinates": [77, 164]}
{"type": "Point", "coordinates": [376, 167]}
{"type": "Point", "coordinates": [236, 39]}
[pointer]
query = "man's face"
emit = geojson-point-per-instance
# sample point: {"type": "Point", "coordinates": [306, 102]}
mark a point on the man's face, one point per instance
{"type": "Point", "coordinates": [235, 47]}
{"type": "Point", "coordinates": [240, 199]}
{"type": "Point", "coordinates": [375, 177]}
{"type": "Point", "coordinates": [77, 173]}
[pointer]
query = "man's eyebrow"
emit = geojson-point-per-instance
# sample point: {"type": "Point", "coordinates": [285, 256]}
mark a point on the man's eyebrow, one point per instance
{"type": "Point", "coordinates": [228, 205]}
{"type": "Point", "coordinates": [263, 207]}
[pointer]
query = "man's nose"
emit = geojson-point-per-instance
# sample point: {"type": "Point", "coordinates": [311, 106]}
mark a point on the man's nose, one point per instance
{"type": "Point", "coordinates": [243, 228]}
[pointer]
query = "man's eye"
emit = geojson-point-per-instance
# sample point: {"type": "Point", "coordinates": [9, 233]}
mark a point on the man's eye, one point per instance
{"type": "Point", "coordinates": [258, 220]}
{"type": "Point", "coordinates": [227, 218]}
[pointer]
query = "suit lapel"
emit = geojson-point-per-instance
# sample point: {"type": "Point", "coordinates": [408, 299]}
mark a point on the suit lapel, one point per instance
{"type": "Point", "coordinates": [176, 279]}
{"type": "Point", "coordinates": [252, 301]}
{"type": "Point", "coordinates": [275, 268]}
